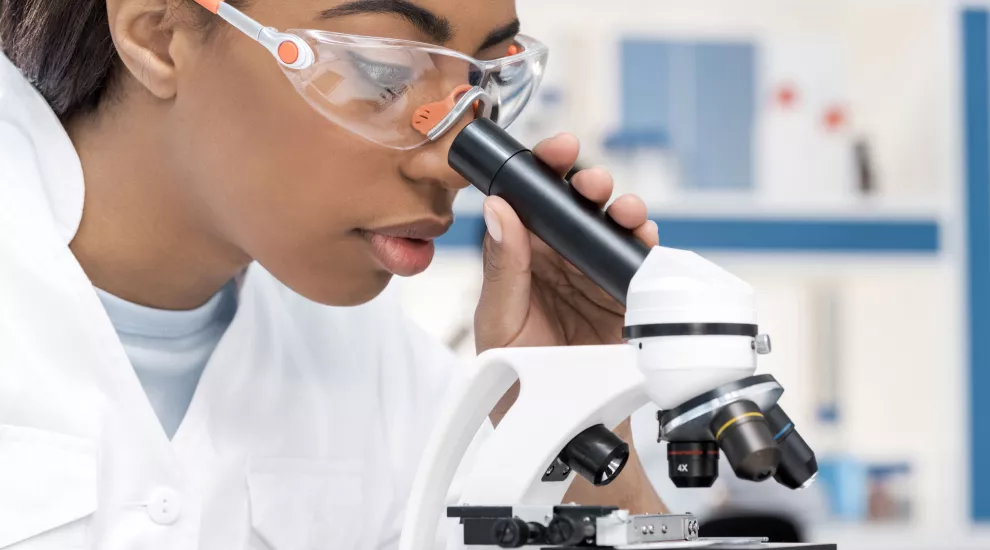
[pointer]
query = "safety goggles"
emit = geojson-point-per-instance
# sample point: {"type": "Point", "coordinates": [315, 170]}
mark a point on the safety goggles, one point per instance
{"type": "Point", "coordinates": [397, 93]}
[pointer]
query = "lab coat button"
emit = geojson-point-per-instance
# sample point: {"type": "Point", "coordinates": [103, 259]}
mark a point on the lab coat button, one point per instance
{"type": "Point", "coordinates": [164, 506]}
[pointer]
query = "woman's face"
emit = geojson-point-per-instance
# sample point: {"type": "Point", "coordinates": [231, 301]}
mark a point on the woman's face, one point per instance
{"type": "Point", "coordinates": [324, 210]}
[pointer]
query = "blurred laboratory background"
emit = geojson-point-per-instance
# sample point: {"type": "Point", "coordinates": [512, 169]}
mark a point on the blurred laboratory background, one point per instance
{"type": "Point", "coordinates": [836, 155]}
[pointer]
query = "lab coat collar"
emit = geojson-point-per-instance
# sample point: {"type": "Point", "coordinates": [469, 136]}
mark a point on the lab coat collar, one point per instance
{"type": "Point", "coordinates": [27, 112]}
{"type": "Point", "coordinates": [44, 288]}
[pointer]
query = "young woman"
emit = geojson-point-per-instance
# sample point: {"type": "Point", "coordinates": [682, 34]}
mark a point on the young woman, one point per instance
{"type": "Point", "coordinates": [198, 226]}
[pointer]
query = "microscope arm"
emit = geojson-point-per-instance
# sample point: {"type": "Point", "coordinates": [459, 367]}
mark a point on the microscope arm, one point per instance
{"type": "Point", "coordinates": [590, 385]}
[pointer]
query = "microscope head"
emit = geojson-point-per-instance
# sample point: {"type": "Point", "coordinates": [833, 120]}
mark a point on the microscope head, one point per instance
{"type": "Point", "coordinates": [694, 327]}
{"type": "Point", "coordinates": [693, 323]}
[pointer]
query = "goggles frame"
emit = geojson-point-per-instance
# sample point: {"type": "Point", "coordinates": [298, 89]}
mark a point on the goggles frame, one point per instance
{"type": "Point", "coordinates": [294, 53]}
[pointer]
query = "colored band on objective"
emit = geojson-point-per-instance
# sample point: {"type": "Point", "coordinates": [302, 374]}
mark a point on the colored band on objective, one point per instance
{"type": "Point", "coordinates": [734, 420]}
{"type": "Point", "coordinates": [782, 430]}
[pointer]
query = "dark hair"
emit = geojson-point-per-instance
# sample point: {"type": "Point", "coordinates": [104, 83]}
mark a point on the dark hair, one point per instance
{"type": "Point", "coordinates": [64, 48]}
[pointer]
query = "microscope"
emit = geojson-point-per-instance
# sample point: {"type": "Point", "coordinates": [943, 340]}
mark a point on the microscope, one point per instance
{"type": "Point", "coordinates": [691, 345]}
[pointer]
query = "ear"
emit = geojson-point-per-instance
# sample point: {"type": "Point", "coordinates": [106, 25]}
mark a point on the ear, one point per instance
{"type": "Point", "coordinates": [143, 36]}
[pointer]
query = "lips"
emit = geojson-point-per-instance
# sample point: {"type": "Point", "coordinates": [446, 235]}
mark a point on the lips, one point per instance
{"type": "Point", "coordinates": [406, 250]}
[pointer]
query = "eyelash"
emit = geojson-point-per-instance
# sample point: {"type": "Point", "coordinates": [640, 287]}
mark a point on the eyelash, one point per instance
{"type": "Point", "coordinates": [388, 96]}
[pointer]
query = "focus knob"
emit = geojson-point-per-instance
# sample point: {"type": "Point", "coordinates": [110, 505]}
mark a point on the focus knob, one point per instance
{"type": "Point", "coordinates": [564, 531]}
{"type": "Point", "coordinates": [510, 533]}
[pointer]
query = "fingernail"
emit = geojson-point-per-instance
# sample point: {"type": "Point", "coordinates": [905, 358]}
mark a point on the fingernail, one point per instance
{"type": "Point", "coordinates": [494, 226]}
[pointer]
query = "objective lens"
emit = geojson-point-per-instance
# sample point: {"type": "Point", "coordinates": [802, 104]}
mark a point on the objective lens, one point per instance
{"type": "Point", "coordinates": [744, 436]}
{"type": "Point", "coordinates": [597, 454]}
{"type": "Point", "coordinates": [798, 465]}
{"type": "Point", "coordinates": [692, 465]}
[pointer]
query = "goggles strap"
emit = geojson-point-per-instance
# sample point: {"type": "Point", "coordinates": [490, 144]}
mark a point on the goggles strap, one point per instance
{"type": "Point", "coordinates": [290, 50]}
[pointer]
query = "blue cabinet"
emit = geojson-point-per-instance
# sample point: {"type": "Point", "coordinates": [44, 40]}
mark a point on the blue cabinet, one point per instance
{"type": "Point", "coordinates": [702, 97]}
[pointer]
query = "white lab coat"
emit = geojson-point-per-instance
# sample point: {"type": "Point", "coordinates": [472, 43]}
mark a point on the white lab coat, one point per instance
{"type": "Point", "coordinates": [304, 433]}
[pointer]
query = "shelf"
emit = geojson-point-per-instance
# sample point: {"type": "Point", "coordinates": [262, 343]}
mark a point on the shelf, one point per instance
{"type": "Point", "coordinates": [746, 206]}
{"type": "Point", "coordinates": [767, 235]}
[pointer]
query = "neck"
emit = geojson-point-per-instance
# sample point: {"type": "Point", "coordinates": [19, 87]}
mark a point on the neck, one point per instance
{"type": "Point", "coordinates": [143, 237]}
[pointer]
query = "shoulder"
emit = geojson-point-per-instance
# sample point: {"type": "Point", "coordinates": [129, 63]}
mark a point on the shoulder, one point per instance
{"type": "Point", "coordinates": [30, 131]}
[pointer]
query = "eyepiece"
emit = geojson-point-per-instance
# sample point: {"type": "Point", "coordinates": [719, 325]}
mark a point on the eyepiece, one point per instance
{"type": "Point", "coordinates": [798, 465]}
{"type": "Point", "coordinates": [567, 221]}
{"type": "Point", "coordinates": [692, 465]}
{"type": "Point", "coordinates": [597, 454]}
{"type": "Point", "coordinates": [744, 436]}
{"type": "Point", "coordinates": [480, 150]}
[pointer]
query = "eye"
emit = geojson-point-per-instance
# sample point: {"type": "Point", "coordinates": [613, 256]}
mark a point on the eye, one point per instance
{"type": "Point", "coordinates": [509, 74]}
{"type": "Point", "coordinates": [381, 74]}
{"type": "Point", "coordinates": [390, 80]}
{"type": "Point", "coordinates": [474, 76]}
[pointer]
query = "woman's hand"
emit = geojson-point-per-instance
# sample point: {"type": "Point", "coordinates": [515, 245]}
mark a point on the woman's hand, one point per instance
{"type": "Point", "coordinates": [533, 297]}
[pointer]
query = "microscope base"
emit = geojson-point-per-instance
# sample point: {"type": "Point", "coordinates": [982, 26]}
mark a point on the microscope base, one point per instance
{"type": "Point", "coordinates": [724, 544]}
{"type": "Point", "coordinates": [574, 526]}
{"type": "Point", "coordinates": [774, 546]}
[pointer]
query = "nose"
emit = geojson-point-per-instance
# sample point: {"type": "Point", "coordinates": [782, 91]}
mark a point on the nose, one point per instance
{"type": "Point", "coordinates": [428, 164]}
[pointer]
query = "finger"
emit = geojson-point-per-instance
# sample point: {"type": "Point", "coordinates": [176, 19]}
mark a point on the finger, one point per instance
{"type": "Point", "coordinates": [629, 211]}
{"type": "Point", "coordinates": [595, 184]}
{"type": "Point", "coordinates": [648, 233]}
{"type": "Point", "coordinates": [560, 152]}
{"type": "Point", "coordinates": [504, 302]}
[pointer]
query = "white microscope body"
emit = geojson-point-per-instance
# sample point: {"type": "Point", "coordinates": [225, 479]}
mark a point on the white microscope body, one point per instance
{"type": "Point", "coordinates": [690, 329]}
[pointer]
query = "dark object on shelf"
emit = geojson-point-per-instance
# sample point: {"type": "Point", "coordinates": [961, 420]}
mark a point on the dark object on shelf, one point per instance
{"type": "Point", "coordinates": [865, 174]}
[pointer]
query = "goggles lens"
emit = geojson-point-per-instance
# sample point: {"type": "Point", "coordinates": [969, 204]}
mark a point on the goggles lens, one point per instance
{"type": "Point", "coordinates": [374, 87]}
{"type": "Point", "coordinates": [516, 82]}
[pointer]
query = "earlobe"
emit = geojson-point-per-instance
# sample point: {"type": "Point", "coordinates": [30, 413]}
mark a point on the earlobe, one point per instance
{"type": "Point", "coordinates": [143, 38]}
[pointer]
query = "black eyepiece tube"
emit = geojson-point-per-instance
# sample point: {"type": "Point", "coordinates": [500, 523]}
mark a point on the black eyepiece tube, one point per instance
{"type": "Point", "coordinates": [575, 227]}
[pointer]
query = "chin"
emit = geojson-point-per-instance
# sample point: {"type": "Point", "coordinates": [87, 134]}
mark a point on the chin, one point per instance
{"type": "Point", "coordinates": [352, 293]}
{"type": "Point", "coordinates": [337, 276]}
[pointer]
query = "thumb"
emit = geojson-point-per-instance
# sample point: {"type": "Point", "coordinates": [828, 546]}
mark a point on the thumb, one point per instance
{"type": "Point", "coordinates": [504, 302]}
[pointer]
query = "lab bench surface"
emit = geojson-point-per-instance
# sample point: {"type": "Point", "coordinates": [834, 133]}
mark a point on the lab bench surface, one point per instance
{"type": "Point", "coordinates": [774, 546]}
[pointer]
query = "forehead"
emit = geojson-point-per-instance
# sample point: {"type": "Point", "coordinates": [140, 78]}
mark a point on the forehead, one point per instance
{"type": "Point", "coordinates": [470, 21]}
{"type": "Point", "coordinates": [479, 16]}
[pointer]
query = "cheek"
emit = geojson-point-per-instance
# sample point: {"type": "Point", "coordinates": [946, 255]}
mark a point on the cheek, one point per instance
{"type": "Point", "coordinates": [255, 143]}
{"type": "Point", "coordinates": [278, 180]}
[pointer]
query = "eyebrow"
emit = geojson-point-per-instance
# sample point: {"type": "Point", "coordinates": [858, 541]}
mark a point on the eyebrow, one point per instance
{"type": "Point", "coordinates": [501, 34]}
{"type": "Point", "coordinates": [436, 27]}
